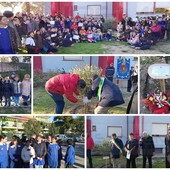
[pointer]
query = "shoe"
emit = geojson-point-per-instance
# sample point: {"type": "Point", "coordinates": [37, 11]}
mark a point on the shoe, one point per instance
{"type": "Point", "coordinates": [18, 105]}
{"type": "Point", "coordinates": [15, 104]}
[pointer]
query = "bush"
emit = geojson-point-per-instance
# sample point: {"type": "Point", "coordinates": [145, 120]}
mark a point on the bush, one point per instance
{"type": "Point", "coordinates": [109, 24]}
{"type": "Point", "coordinates": [86, 73]}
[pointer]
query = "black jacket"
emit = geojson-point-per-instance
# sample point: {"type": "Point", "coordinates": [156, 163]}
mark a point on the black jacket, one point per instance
{"type": "Point", "coordinates": [147, 146]}
{"type": "Point", "coordinates": [43, 150]}
{"type": "Point", "coordinates": [110, 71]}
{"type": "Point", "coordinates": [132, 145]}
{"type": "Point", "coordinates": [1, 88]}
{"type": "Point", "coordinates": [114, 150]}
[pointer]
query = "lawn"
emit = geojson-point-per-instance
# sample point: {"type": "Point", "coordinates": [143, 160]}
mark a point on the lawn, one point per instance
{"type": "Point", "coordinates": [99, 162]}
{"type": "Point", "coordinates": [89, 48]}
{"type": "Point", "coordinates": [14, 110]}
{"type": "Point", "coordinates": [43, 104]}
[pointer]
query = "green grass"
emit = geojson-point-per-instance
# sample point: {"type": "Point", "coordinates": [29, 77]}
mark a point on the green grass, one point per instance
{"type": "Point", "coordinates": [44, 104]}
{"type": "Point", "coordinates": [89, 48]}
{"type": "Point", "coordinates": [99, 162]}
{"type": "Point", "coordinates": [18, 110]}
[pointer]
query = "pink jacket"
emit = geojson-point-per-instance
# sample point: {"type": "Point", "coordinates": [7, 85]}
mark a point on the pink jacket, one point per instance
{"type": "Point", "coordinates": [26, 87]}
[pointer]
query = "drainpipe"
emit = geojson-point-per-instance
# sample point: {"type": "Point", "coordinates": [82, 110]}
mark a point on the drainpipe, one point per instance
{"type": "Point", "coordinates": [154, 7]}
{"type": "Point", "coordinates": [127, 126]}
{"type": "Point", "coordinates": [126, 8]}
{"type": "Point", "coordinates": [106, 9]}
{"type": "Point", "coordinates": [90, 60]}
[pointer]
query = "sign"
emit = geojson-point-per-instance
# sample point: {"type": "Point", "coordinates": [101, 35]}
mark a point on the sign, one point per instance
{"type": "Point", "coordinates": [123, 68]}
{"type": "Point", "coordinates": [159, 71]}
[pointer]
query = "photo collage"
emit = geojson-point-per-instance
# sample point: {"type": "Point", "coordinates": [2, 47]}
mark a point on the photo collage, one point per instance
{"type": "Point", "coordinates": [84, 84]}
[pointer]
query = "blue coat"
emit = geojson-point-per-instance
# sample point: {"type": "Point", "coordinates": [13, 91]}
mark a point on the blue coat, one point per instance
{"type": "Point", "coordinates": [60, 156]}
{"type": "Point", "coordinates": [15, 153]}
{"type": "Point", "coordinates": [70, 156]}
{"type": "Point", "coordinates": [53, 155]}
{"type": "Point", "coordinates": [3, 156]}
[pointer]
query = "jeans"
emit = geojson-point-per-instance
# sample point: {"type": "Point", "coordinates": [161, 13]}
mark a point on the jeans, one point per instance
{"type": "Point", "coordinates": [16, 99]}
{"type": "Point", "coordinates": [59, 101]}
{"type": "Point", "coordinates": [7, 101]}
{"type": "Point", "coordinates": [39, 166]}
{"type": "Point", "coordinates": [90, 158]}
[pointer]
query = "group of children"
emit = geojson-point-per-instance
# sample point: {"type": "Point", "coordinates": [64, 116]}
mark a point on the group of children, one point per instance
{"type": "Point", "coordinates": [35, 152]}
{"type": "Point", "coordinates": [145, 32]}
{"type": "Point", "coordinates": [11, 89]}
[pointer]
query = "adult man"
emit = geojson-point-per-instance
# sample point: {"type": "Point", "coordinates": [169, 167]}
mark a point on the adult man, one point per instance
{"type": "Point", "coordinates": [167, 144]}
{"type": "Point", "coordinates": [110, 71]}
{"type": "Point", "coordinates": [147, 149]}
{"type": "Point", "coordinates": [90, 146]}
{"type": "Point", "coordinates": [129, 85]}
{"type": "Point", "coordinates": [131, 148]}
{"type": "Point", "coordinates": [116, 150]}
{"type": "Point", "coordinates": [108, 94]}
{"type": "Point", "coordinates": [67, 84]}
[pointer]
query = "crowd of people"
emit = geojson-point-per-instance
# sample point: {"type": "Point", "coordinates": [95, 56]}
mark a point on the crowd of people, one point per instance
{"type": "Point", "coordinates": [35, 152]}
{"type": "Point", "coordinates": [13, 89]}
{"type": "Point", "coordinates": [45, 34]}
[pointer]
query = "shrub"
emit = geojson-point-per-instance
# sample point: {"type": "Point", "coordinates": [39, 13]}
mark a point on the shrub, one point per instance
{"type": "Point", "coordinates": [109, 24]}
{"type": "Point", "coordinates": [86, 73]}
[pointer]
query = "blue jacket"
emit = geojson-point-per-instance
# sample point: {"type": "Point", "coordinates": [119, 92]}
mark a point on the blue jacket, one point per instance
{"type": "Point", "coordinates": [114, 150]}
{"type": "Point", "coordinates": [110, 93]}
{"type": "Point", "coordinates": [15, 153]}
{"type": "Point", "coordinates": [3, 156]}
{"type": "Point", "coordinates": [53, 155]}
{"type": "Point", "coordinates": [70, 156]}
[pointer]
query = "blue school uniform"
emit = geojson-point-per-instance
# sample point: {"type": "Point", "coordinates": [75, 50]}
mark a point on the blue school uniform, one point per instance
{"type": "Point", "coordinates": [53, 155]}
{"type": "Point", "coordinates": [5, 42]}
{"type": "Point", "coordinates": [15, 153]}
{"type": "Point", "coordinates": [60, 156]}
{"type": "Point", "coordinates": [70, 156]}
{"type": "Point", "coordinates": [3, 156]}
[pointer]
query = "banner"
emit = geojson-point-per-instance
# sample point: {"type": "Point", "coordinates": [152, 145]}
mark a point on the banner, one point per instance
{"type": "Point", "coordinates": [123, 68]}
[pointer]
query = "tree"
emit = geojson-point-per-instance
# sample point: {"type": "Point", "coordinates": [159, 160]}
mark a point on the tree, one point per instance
{"type": "Point", "coordinates": [11, 5]}
{"type": "Point", "coordinates": [53, 129]}
{"type": "Point", "coordinates": [34, 127]}
{"type": "Point", "coordinates": [3, 122]}
{"type": "Point", "coordinates": [32, 7]}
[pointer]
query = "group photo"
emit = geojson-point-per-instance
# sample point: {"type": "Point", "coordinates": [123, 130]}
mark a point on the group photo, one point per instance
{"type": "Point", "coordinates": [84, 27]}
{"type": "Point", "coordinates": [128, 142]}
{"type": "Point", "coordinates": [85, 85]}
{"type": "Point", "coordinates": [41, 142]}
{"type": "Point", "coordinates": [15, 85]}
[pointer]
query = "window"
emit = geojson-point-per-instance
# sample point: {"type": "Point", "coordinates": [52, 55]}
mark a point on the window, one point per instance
{"type": "Point", "coordinates": [93, 10]}
{"type": "Point", "coordinates": [114, 129]}
{"type": "Point", "coordinates": [72, 58]}
{"type": "Point", "coordinates": [75, 8]}
{"type": "Point", "coordinates": [159, 129]}
{"type": "Point", "coordinates": [94, 128]}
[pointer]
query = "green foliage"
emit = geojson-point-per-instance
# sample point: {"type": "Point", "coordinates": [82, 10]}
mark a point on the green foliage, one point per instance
{"type": "Point", "coordinates": [34, 127]}
{"type": "Point", "coordinates": [109, 24]}
{"type": "Point", "coordinates": [53, 130]}
{"type": "Point", "coordinates": [86, 73]}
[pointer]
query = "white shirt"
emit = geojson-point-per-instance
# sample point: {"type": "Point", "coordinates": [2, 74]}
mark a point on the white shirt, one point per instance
{"type": "Point", "coordinates": [30, 41]}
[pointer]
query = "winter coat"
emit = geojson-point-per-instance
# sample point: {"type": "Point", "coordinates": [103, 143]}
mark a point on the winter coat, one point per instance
{"type": "Point", "coordinates": [43, 150]}
{"type": "Point", "coordinates": [26, 87]}
{"type": "Point", "coordinates": [70, 156]}
{"type": "Point", "coordinates": [132, 144]}
{"type": "Point", "coordinates": [16, 85]}
{"type": "Point", "coordinates": [64, 84]}
{"type": "Point", "coordinates": [114, 149]}
{"type": "Point", "coordinates": [147, 146]}
{"type": "Point", "coordinates": [1, 89]}
{"type": "Point", "coordinates": [90, 143]}
{"type": "Point", "coordinates": [7, 89]}
{"type": "Point", "coordinates": [110, 93]}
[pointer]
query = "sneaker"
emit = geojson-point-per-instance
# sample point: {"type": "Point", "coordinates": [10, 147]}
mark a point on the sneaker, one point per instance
{"type": "Point", "coordinates": [18, 105]}
{"type": "Point", "coordinates": [15, 104]}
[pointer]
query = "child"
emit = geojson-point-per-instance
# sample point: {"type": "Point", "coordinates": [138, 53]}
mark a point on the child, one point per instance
{"type": "Point", "coordinates": [53, 150]}
{"type": "Point", "coordinates": [83, 36]}
{"type": "Point", "coordinates": [127, 32]}
{"type": "Point", "coordinates": [108, 36]}
{"type": "Point", "coordinates": [119, 30]}
{"type": "Point", "coordinates": [7, 91]}
{"type": "Point", "coordinates": [16, 84]}
{"type": "Point", "coordinates": [76, 36]}
{"type": "Point", "coordinates": [27, 155]}
{"type": "Point", "coordinates": [89, 34]}
{"type": "Point", "coordinates": [3, 152]}
{"type": "Point", "coordinates": [49, 46]}
{"type": "Point", "coordinates": [60, 155]}
{"type": "Point", "coordinates": [15, 154]}
{"type": "Point", "coordinates": [1, 90]}
{"type": "Point", "coordinates": [30, 43]}
{"type": "Point", "coordinates": [70, 155]}
{"type": "Point", "coordinates": [26, 89]}
{"type": "Point", "coordinates": [67, 42]}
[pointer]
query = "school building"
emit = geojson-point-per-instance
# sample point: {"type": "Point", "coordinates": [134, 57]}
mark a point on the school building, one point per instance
{"type": "Point", "coordinates": [101, 128]}
{"type": "Point", "coordinates": [107, 9]}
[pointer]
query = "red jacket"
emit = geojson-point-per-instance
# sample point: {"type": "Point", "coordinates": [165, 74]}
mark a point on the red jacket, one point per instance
{"type": "Point", "coordinates": [64, 84]}
{"type": "Point", "coordinates": [90, 143]}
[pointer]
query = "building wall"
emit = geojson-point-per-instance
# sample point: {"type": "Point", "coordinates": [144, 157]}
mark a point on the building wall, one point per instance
{"type": "Point", "coordinates": [47, 8]}
{"type": "Point", "coordinates": [102, 122]}
{"type": "Point", "coordinates": [106, 8]}
{"type": "Point", "coordinates": [52, 63]}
